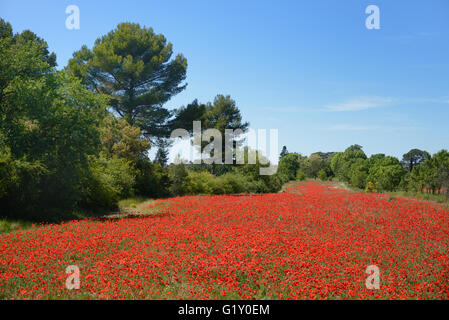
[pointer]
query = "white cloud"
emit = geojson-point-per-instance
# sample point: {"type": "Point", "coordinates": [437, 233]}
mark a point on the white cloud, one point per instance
{"type": "Point", "coordinates": [359, 104]}
{"type": "Point", "coordinates": [362, 103]}
{"type": "Point", "coordinates": [379, 128]}
{"type": "Point", "coordinates": [350, 127]}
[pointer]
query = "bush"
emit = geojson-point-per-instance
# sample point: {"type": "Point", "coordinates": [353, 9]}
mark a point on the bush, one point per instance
{"type": "Point", "coordinates": [106, 182]}
{"type": "Point", "coordinates": [370, 187]}
{"type": "Point", "coordinates": [199, 183]}
{"type": "Point", "coordinates": [322, 175]}
{"type": "Point", "coordinates": [300, 175]}
{"type": "Point", "coordinates": [289, 164]}
{"type": "Point", "coordinates": [18, 183]}
{"type": "Point", "coordinates": [229, 183]}
{"type": "Point", "coordinates": [152, 180]}
{"type": "Point", "coordinates": [358, 179]}
{"type": "Point", "coordinates": [236, 183]}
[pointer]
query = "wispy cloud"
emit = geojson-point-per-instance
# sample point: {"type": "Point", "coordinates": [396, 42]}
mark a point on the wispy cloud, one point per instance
{"type": "Point", "coordinates": [350, 127]}
{"type": "Point", "coordinates": [379, 128]}
{"type": "Point", "coordinates": [362, 103]}
{"type": "Point", "coordinates": [359, 104]}
{"type": "Point", "coordinates": [289, 109]}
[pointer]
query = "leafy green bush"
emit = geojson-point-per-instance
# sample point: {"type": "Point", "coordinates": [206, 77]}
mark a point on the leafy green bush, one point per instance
{"type": "Point", "coordinates": [152, 179]}
{"type": "Point", "coordinates": [322, 175]}
{"type": "Point", "coordinates": [18, 179]}
{"type": "Point", "coordinates": [236, 183]}
{"type": "Point", "coordinates": [388, 172]}
{"type": "Point", "coordinates": [288, 165]}
{"type": "Point", "coordinates": [106, 182]}
{"type": "Point", "coordinates": [199, 183]}
{"type": "Point", "coordinates": [370, 187]}
{"type": "Point", "coordinates": [300, 175]}
{"type": "Point", "coordinates": [358, 179]}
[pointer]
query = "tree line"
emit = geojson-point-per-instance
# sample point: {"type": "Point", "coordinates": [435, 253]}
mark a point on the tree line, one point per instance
{"type": "Point", "coordinates": [418, 171]}
{"type": "Point", "coordinates": [78, 138]}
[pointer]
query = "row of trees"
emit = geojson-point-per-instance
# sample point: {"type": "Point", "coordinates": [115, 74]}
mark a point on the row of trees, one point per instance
{"type": "Point", "coordinates": [418, 171]}
{"type": "Point", "coordinates": [78, 138]}
{"type": "Point", "coordinates": [296, 166]}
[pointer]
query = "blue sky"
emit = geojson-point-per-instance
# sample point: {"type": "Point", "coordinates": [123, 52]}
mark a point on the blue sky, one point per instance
{"type": "Point", "coordinates": [308, 68]}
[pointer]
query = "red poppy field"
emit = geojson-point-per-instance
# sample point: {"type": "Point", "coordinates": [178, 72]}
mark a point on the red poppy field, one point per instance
{"type": "Point", "coordinates": [311, 242]}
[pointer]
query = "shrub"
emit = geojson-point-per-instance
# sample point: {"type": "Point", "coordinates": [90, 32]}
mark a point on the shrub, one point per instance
{"type": "Point", "coordinates": [236, 183]}
{"type": "Point", "coordinates": [358, 179]}
{"type": "Point", "coordinates": [106, 181]}
{"type": "Point", "coordinates": [370, 187]}
{"type": "Point", "coordinates": [288, 165]}
{"type": "Point", "coordinates": [152, 180]}
{"type": "Point", "coordinates": [199, 183]}
{"type": "Point", "coordinates": [300, 175]}
{"type": "Point", "coordinates": [322, 175]}
{"type": "Point", "coordinates": [178, 173]}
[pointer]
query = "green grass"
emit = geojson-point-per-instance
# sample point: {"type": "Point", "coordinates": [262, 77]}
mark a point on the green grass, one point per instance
{"type": "Point", "coordinates": [126, 207]}
{"type": "Point", "coordinates": [136, 206]}
{"type": "Point", "coordinates": [130, 202]}
{"type": "Point", "coordinates": [438, 198]}
{"type": "Point", "coordinates": [13, 225]}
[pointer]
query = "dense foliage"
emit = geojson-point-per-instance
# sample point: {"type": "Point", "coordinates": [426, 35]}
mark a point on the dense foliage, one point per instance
{"type": "Point", "coordinates": [78, 139]}
{"type": "Point", "coordinates": [418, 171]}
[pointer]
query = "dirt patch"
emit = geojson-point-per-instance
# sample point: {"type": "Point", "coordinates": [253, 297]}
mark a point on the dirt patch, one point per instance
{"type": "Point", "coordinates": [146, 208]}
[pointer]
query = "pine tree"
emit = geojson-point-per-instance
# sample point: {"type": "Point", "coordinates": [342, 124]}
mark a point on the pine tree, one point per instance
{"type": "Point", "coordinates": [162, 152]}
{"type": "Point", "coordinates": [284, 152]}
{"type": "Point", "coordinates": [133, 67]}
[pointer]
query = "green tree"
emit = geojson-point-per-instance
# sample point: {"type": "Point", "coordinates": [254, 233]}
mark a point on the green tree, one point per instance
{"type": "Point", "coordinates": [313, 164]}
{"type": "Point", "coordinates": [284, 152]}
{"type": "Point", "coordinates": [289, 165]}
{"type": "Point", "coordinates": [341, 162]}
{"type": "Point", "coordinates": [120, 139]}
{"type": "Point", "coordinates": [439, 164]}
{"type": "Point", "coordinates": [185, 115]}
{"type": "Point", "coordinates": [300, 175]}
{"type": "Point", "coordinates": [178, 174]}
{"type": "Point", "coordinates": [414, 158]}
{"type": "Point", "coordinates": [221, 115]}
{"type": "Point", "coordinates": [431, 174]}
{"type": "Point", "coordinates": [322, 175]}
{"type": "Point", "coordinates": [388, 173]}
{"type": "Point", "coordinates": [359, 172]}
{"type": "Point", "coordinates": [162, 152]}
{"type": "Point", "coordinates": [132, 65]}
{"type": "Point", "coordinates": [49, 125]}
{"type": "Point", "coordinates": [261, 183]}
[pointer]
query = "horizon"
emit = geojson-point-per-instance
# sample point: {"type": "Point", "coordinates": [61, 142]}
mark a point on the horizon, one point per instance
{"type": "Point", "coordinates": [312, 70]}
